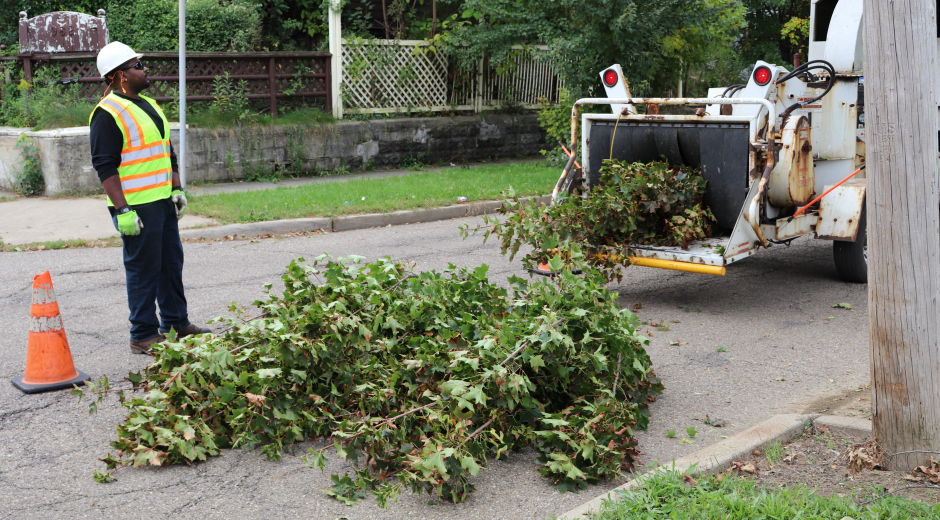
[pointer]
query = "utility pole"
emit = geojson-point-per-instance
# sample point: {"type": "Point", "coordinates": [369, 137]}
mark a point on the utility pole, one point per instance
{"type": "Point", "coordinates": [903, 205]}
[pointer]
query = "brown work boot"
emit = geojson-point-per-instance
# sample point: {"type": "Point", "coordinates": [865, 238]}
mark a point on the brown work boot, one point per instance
{"type": "Point", "coordinates": [143, 347]}
{"type": "Point", "coordinates": [191, 329]}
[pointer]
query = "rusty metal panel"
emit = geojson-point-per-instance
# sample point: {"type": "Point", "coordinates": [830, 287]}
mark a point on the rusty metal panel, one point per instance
{"type": "Point", "coordinates": [785, 229]}
{"type": "Point", "coordinates": [704, 252]}
{"type": "Point", "coordinates": [840, 210]}
{"type": "Point", "coordinates": [792, 179]}
{"type": "Point", "coordinates": [834, 119]}
{"type": "Point", "coordinates": [744, 239]}
{"type": "Point", "coordinates": [63, 31]}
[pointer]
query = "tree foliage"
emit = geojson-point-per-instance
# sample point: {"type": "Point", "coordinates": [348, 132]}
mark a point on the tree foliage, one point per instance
{"type": "Point", "coordinates": [419, 378]}
{"type": "Point", "coordinates": [774, 30]}
{"type": "Point", "coordinates": [651, 39]}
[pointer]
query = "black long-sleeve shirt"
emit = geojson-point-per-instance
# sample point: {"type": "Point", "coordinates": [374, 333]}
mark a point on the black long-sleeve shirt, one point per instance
{"type": "Point", "coordinates": [107, 141]}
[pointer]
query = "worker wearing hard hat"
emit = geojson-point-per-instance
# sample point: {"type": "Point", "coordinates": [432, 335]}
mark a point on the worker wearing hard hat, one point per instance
{"type": "Point", "coordinates": [131, 151]}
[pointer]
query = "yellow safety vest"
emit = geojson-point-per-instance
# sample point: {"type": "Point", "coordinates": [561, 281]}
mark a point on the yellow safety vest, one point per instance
{"type": "Point", "coordinates": [145, 170]}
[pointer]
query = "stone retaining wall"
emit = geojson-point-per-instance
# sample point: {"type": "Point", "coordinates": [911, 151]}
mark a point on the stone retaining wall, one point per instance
{"type": "Point", "coordinates": [231, 154]}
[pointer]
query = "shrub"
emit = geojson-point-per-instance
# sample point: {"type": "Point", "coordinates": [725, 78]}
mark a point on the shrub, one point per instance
{"type": "Point", "coordinates": [423, 375]}
{"type": "Point", "coordinates": [48, 105]}
{"type": "Point", "coordinates": [30, 181]}
{"type": "Point", "coordinates": [211, 25]}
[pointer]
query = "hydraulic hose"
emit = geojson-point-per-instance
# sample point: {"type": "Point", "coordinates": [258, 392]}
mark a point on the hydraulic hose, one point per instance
{"type": "Point", "coordinates": [806, 67]}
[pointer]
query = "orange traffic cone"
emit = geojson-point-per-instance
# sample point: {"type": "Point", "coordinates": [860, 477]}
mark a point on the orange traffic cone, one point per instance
{"type": "Point", "coordinates": [49, 363]}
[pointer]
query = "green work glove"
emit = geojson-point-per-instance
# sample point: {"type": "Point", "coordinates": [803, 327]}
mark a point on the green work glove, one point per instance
{"type": "Point", "coordinates": [179, 200]}
{"type": "Point", "coordinates": [129, 223]}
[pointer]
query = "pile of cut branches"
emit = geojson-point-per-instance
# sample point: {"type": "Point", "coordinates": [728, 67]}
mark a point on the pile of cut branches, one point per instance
{"type": "Point", "coordinates": [633, 203]}
{"type": "Point", "coordinates": [420, 378]}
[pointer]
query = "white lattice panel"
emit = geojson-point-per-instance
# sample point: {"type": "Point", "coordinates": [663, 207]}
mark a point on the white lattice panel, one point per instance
{"type": "Point", "coordinates": [533, 78]}
{"type": "Point", "coordinates": [386, 74]}
{"type": "Point", "coordinates": [389, 75]}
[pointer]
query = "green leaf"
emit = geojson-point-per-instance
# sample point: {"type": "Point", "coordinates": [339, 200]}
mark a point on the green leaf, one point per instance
{"type": "Point", "coordinates": [103, 478]}
{"type": "Point", "coordinates": [691, 431]}
{"type": "Point", "coordinates": [268, 373]}
{"type": "Point", "coordinates": [476, 393]}
{"type": "Point", "coordinates": [469, 464]}
{"type": "Point", "coordinates": [670, 434]}
{"type": "Point", "coordinates": [536, 361]}
{"type": "Point", "coordinates": [846, 306]}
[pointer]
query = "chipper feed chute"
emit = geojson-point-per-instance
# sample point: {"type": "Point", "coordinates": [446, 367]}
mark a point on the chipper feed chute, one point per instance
{"type": "Point", "coordinates": [719, 149]}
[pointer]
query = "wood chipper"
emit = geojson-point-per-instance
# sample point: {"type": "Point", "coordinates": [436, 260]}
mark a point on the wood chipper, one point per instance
{"type": "Point", "coordinates": [768, 150]}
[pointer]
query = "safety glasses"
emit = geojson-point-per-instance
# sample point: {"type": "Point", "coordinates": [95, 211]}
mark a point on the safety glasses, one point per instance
{"type": "Point", "coordinates": [139, 66]}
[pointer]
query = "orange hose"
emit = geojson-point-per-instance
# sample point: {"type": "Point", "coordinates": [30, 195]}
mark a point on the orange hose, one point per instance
{"type": "Point", "coordinates": [568, 153]}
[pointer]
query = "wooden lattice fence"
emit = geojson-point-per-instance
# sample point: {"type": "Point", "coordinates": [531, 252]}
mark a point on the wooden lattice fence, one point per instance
{"type": "Point", "coordinates": [266, 75]}
{"type": "Point", "coordinates": [410, 75]}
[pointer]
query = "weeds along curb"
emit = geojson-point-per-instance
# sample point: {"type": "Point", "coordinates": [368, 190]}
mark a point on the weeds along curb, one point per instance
{"type": "Point", "coordinates": [718, 456]}
{"type": "Point", "coordinates": [396, 218]}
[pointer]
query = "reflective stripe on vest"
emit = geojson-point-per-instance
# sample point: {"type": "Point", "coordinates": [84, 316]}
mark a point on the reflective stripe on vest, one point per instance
{"type": "Point", "coordinates": [145, 170]}
{"type": "Point", "coordinates": [143, 154]}
{"type": "Point", "coordinates": [143, 181]}
{"type": "Point", "coordinates": [128, 121]}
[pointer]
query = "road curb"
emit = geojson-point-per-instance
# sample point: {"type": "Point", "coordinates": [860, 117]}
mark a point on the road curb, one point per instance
{"type": "Point", "coordinates": [353, 222]}
{"type": "Point", "coordinates": [851, 426]}
{"type": "Point", "coordinates": [780, 428]}
{"type": "Point", "coordinates": [274, 227]}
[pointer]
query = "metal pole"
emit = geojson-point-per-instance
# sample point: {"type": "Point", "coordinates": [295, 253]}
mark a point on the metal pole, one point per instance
{"type": "Point", "coordinates": [336, 60]}
{"type": "Point", "coordinates": [181, 156]}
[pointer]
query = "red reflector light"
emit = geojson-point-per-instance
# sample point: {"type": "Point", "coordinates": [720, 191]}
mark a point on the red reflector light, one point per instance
{"type": "Point", "coordinates": [610, 77]}
{"type": "Point", "coordinates": [762, 76]}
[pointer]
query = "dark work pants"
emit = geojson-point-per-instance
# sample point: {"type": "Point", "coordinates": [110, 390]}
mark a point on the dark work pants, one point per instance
{"type": "Point", "coordinates": [153, 264]}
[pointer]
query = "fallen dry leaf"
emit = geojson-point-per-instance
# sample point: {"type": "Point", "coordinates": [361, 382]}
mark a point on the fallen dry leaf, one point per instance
{"type": "Point", "coordinates": [862, 456]}
{"type": "Point", "coordinates": [257, 400]}
{"type": "Point", "coordinates": [738, 467]}
{"type": "Point", "coordinates": [931, 472]}
{"type": "Point", "coordinates": [688, 480]}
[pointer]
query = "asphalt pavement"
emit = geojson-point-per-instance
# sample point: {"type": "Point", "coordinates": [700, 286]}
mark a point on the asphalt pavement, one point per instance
{"type": "Point", "coordinates": [760, 341]}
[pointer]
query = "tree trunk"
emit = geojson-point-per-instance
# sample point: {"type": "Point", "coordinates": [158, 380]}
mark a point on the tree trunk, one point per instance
{"type": "Point", "coordinates": [904, 226]}
{"type": "Point", "coordinates": [385, 19]}
{"type": "Point", "coordinates": [433, 17]}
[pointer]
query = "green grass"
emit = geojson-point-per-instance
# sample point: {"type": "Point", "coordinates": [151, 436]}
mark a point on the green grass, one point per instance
{"type": "Point", "coordinates": [774, 453]}
{"type": "Point", "coordinates": [66, 117]}
{"type": "Point", "coordinates": [304, 116]}
{"type": "Point", "coordinates": [7, 199]}
{"type": "Point", "coordinates": [665, 496]}
{"type": "Point", "coordinates": [419, 190]}
{"type": "Point", "coordinates": [60, 244]}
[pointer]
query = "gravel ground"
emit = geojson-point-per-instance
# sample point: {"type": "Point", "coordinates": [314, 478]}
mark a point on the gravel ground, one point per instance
{"type": "Point", "coordinates": [784, 348]}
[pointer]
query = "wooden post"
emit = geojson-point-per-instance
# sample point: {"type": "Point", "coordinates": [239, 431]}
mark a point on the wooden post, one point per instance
{"type": "Point", "coordinates": [904, 226]}
{"type": "Point", "coordinates": [272, 86]}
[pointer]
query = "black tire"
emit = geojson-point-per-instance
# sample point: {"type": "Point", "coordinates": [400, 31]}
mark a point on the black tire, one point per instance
{"type": "Point", "coordinates": [852, 257]}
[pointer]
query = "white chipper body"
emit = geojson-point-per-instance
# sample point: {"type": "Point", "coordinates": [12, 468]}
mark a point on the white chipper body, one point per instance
{"type": "Point", "coordinates": [767, 150]}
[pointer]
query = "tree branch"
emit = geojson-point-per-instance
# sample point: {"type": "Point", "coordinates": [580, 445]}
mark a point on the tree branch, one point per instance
{"type": "Point", "coordinates": [527, 343]}
{"type": "Point", "coordinates": [475, 432]}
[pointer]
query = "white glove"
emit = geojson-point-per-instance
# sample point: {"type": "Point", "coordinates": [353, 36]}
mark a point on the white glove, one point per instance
{"type": "Point", "coordinates": [179, 200]}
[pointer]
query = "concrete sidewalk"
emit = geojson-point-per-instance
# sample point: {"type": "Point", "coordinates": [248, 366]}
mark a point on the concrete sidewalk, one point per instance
{"type": "Point", "coordinates": [45, 219]}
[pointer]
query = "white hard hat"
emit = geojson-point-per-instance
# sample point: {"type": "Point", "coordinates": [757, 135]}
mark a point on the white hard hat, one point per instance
{"type": "Point", "coordinates": [113, 55]}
